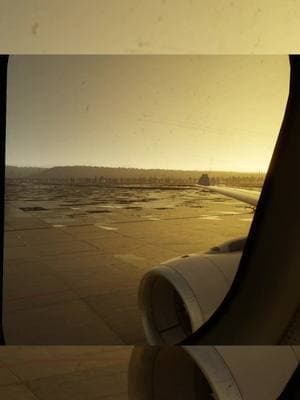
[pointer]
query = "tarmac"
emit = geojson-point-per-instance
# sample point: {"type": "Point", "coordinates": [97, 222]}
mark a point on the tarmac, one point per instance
{"type": "Point", "coordinates": [74, 255]}
{"type": "Point", "coordinates": [64, 372]}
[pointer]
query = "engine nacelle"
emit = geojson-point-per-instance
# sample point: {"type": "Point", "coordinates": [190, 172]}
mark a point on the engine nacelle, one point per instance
{"type": "Point", "coordinates": [178, 296]}
{"type": "Point", "coordinates": [210, 372]}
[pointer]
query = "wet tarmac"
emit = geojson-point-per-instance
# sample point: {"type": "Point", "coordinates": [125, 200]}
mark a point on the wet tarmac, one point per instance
{"type": "Point", "coordinates": [74, 255]}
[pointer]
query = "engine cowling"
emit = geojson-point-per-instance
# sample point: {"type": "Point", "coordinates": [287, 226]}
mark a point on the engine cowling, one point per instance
{"type": "Point", "coordinates": [178, 296]}
{"type": "Point", "coordinates": [210, 372]}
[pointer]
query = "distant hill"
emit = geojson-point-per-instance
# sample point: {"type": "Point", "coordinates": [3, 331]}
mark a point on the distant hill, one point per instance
{"type": "Point", "coordinates": [131, 175]}
{"type": "Point", "coordinates": [21, 172]}
{"type": "Point", "coordinates": [114, 173]}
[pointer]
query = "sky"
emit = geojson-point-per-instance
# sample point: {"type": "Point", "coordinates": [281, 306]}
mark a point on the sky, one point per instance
{"type": "Point", "coordinates": [172, 112]}
{"type": "Point", "coordinates": [149, 27]}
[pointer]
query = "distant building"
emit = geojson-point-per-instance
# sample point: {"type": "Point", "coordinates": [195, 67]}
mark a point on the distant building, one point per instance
{"type": "Point", "coordinates": [204, 180]}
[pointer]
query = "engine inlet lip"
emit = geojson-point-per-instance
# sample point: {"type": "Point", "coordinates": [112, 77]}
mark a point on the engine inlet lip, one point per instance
{"type": "Point", "coordinates": [185, 294]}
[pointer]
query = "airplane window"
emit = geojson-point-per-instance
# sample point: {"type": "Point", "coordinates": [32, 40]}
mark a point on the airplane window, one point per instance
{"type": "Point", "coordinates": [122, 171]}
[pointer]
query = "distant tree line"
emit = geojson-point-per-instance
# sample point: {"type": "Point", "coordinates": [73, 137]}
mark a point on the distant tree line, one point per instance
{"type": "Point", "coordinates": [86, 175]}
{"type": "Point", "coordinates": [142, 177]}
{"type": "Point", "coordinates": [238, 180]}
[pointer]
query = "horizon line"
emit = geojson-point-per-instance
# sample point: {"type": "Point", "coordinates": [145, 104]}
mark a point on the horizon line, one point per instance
{"type": "Point", "coordinates": [143, 168]}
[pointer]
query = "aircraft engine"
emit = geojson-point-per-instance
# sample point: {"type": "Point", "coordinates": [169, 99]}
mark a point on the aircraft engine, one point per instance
{"type": "Point", "coordinates": [179, 295]}
{"type": "Point", "coordinates": [211, 372]}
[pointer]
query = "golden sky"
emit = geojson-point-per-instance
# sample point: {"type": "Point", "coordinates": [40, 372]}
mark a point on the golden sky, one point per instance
{"type": "Point", "coordinates": [156, 26]}
{"type": "Point", "coordinates": [176, 112]}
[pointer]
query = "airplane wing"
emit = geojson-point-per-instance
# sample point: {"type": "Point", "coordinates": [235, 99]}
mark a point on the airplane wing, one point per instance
{"type": "Point", "coordinates": [247, 196]}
